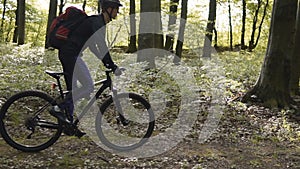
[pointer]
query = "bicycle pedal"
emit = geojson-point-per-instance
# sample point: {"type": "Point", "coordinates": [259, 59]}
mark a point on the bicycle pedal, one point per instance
{"type": "Point", "coordinates": [125, 122]}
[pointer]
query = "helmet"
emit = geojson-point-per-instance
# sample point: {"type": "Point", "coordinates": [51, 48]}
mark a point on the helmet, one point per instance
{"type": "Point", "coordinates": [110, 3]}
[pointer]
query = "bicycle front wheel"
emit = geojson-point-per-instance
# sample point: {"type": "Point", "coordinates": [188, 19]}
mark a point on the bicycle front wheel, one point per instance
{"type": "Point", "coordinates": [26, 124]}
{"type": "Point", "coordinates": [130, 134]}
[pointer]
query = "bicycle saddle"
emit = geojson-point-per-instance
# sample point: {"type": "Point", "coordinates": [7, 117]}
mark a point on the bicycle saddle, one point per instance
{"type": "Point", "coordinates": [56, 75]}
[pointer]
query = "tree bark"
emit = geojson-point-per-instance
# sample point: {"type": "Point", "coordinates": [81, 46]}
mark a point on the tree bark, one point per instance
{"type": "Point", "coordinates": [150, 28]}
{"type": "Point", "coordinates": [171, 25]}
{"type": "Point", "coordinates": [243, 46]}
{"type": "Point", "coordinates": [61, 7]}
{"type": "Point", "coordinates": [132, 39]}
{"type": "Point", "coordinates": [84, 5]}
{"type": "Point", "coordinates": [179, 45]}
{"type": "Point", "coordinates": [261, 23]}
{"type": "Point", "coordinates": [272, 88]}
{"type": "Point", "coordinates": [209, 28]}
{"type": "Point", "coordinates": [2, 21]}
{"type": "Point", "coordinates": [21, 23]}
{"type": "Point", "coordinates": [16, 30]}
{"type": "Point", "coordinates": [230, 26]}
{"type": "Point", "coordinates": [51, 15]}
{"type": "Point", "coordinates": [295, 67]}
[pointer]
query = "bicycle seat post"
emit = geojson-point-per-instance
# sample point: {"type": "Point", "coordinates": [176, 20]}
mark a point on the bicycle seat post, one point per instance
{"type": "Point", "coordinates": [60, 88]}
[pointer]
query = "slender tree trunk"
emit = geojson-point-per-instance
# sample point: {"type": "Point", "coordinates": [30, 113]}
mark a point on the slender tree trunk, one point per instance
{"type": "Point", "coordinates": [255, 20]}
{"type": "Point", "coordinates": [21, 25]}
{"type": "Point", "coordinates": [209, 28]}
{"type": "Point", "coordinates": [295, 71]}
{"type": "Point", "coordinates": [132, 39]}
{"type": "Point", "coordinates": [230, 25]}
{"type": "Point", "coordinates": [216, 37]}
{"type": "Point", "coordinates": [2, 21]}
{"type": "Point", "coordinates": [83, 5]}
{"type": "Point", "coordinates": [261, 23]}
{"type": "Point", "coordinates": [16, 30]}
{"type": "Point", "coordinates": [99, 7]}
{"type": "Point", "coordinates": [243, 46]}
{"type": "Point", "coordinates": [150, 28]}
{"type": "Point", "coordinates": [171, 25]}
{"type": "Point", "coordinates": [51, 15]}
{"type": "Point", "coordinates": [61, 7]}
{"type": "Point", "coordinates": [179, 45]}
{"type": "Point", "coordinates": [272, 88]}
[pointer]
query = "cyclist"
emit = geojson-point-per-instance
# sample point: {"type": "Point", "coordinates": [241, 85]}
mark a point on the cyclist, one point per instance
{"type": "Point", "coordinates": [89, 34]}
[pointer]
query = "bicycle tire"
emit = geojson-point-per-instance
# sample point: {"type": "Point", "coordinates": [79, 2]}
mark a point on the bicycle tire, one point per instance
{"type": "Point", "coordinates": [17, 121]}
{"type": "Point", "coordinates": [122, 140]}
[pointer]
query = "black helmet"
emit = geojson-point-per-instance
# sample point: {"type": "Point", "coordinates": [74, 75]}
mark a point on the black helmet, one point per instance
{"type": "Point", "coordinates": [110, 3]}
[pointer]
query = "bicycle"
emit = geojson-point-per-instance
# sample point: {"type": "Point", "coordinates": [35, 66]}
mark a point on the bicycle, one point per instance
{"type": "Point", "coordinates": [26, 124]}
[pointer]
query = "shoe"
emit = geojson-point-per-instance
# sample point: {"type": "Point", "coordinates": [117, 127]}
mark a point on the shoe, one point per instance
{"type": "Point", "coordinates": [56, 112]}
{"type": "Point", "coordinates": [79, 133]}
{"type": "Point", "coordinates": [72, 130]}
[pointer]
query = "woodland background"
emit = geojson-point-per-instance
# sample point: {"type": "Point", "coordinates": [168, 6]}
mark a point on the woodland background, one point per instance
{"type": "Point", "coordinates": [255, 42]}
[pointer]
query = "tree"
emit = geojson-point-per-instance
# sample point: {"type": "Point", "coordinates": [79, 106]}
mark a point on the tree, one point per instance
{"type": "Point", "coordinates": [61, 7]}
{"type": "Point", "coordinates": [171, 25]}
{"type": "Point", "coordinates": [51, 15]}
{"type": "Point", "coordinates": [253, 42]}
{"type": "Point", "coordinates": [272, 87]}
{"type": "Point", "coordinates": [150, 29]}
{"type": "Point", "coordinates": [16, 31]}
{"type": "Point", "coordinates": [230, 25]}
{"type": "Point", "coordinates": [2, 20]}
{"type": "Point", "coordinates": [209, 28]}
{"type": "Point", "coordinates": [179, 45]}
{"type": "Point", "coordinates": [295, 71]}
{"type": "Point", "coordinates": [132, 39]}
{"type": "Point", "coordinates": [243, 46]}
{"type": "Point", "coordinates": [21, 23]}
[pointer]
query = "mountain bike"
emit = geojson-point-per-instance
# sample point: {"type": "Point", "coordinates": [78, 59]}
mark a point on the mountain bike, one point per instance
{"type": "Point", "coordinates": [26, 124]}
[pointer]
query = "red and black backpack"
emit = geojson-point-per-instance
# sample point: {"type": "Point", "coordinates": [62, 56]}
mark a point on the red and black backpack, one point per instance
{"type": "Point", "coordinates": [63, 25]}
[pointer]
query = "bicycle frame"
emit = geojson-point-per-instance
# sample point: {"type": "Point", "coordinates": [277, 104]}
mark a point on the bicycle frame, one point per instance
{"type": "Point", "coordinates": [106, 83]}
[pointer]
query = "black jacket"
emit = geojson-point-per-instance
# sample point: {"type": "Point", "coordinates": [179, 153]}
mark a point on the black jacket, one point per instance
{"type": "Point", "coordinates": [90, 33]}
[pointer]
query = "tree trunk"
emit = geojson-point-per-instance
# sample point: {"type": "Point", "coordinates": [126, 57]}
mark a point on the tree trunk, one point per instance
{"type": "Point", "coordinates": [261, 23]}
{"type": "Point", "coordinates": [16, 30]}
{"type": "Point", "coordinates": [243, 46]}
{"type": "Point", "coordinates": [179, 45]}
{"type": "Point", "coordinates": [272, 87]}
{"type": "Point", "coordinates": [230, 25]}
{"type": "Point", "coordinates": [132, 39]}
{"type": "Point", "coordinates": [150, 28]}
{"type": "Point", "coordinates": [171, 25]}
{"type": "Point", "coordinates": [209, 28]}
{"type": "Point", "coordinates": [21, 23]}
{"type": "Point", "coordinates": [61, 7]}
{"type": "Point", "coordinates": [2, 21]}
{"type": "Point", "coordinates": [51, 15]}
{"type": "Point", "coordinates": [84, 5]}
{"type": "Point", "coordinates": [255, 19]}
{"type": "Point", "coordinates": [295, 67]}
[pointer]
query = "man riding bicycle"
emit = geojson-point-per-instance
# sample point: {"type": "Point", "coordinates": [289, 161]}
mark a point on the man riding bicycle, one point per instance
{"type": "Point", "coordinates": [89, 34]}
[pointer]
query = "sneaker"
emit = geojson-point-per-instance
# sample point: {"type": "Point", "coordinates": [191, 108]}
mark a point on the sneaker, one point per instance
{"type": "Point", "coordinates": [56, 112]}
{"type": "Point", "coordinates": [79, 133]}
{"type": "Point", "coordinates": [72, 130]}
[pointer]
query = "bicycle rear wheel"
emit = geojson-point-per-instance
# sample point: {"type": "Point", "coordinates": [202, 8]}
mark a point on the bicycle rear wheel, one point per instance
{"type": "Point", "coordinates": [117, 136]}
{"type": "Point", "coordinates": [26, 124]}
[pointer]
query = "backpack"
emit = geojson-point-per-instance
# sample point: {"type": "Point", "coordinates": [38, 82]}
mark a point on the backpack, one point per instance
{"type": "Point", "coordinates": [63, 25]}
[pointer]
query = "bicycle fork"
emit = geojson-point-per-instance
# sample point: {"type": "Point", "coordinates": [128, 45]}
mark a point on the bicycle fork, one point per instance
{"type": "Point", "coordinates": [120, 117]}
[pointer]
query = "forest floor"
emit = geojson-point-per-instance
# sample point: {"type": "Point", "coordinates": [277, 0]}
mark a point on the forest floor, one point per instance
{"type": "Point", "coordinates": [255, 138]}
{"type": "Point", "coordinates": [247, 136]}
